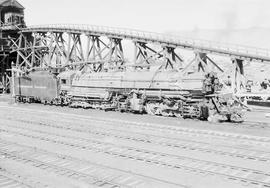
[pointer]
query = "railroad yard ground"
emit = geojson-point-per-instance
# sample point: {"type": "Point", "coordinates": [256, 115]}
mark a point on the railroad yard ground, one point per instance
{"type": "Point", "coordinates": [61, 147]}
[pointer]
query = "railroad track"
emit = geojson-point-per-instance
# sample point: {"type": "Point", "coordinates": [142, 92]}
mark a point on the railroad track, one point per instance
{"type": "Point", "coordinates": [232, 151]}
{"type": "Point", "coordinates": [164, 129]}
{"type": "Point", "coordinates": [239, 138]}
{"type": "Point", "coordinates": [248, 124]}
{"type": "Point", "coordinates": [254, 124]}
{"type": "Point", "coordinates": [12, 180]}
{"type": "Point", "coordinates": [239, 174]}
{"type": "Point", "coordinates": [123, 177]}
{"type": "Point", "coordinates": [189, 131]}
{"type": "Point", "coordinates": [62, 166]}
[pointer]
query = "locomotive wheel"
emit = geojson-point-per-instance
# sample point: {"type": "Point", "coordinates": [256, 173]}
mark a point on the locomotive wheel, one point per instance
{"type": "Point", "coordinates": [150, 109]}
{"type": "Point", "coordinates": [177, 114]}
{"type": "Point", "coordinates": [212, 119]}
{"type": "Point", "coordinates": [236, 118]}
{"type": "Point", "coordinates": [153, 109]}
{"type": "Point", "coordinates": [166, 113]}
{"type": "Point", "coordinates": [204, 112]}
{"type": "Point", "coordinates": [18, 99]}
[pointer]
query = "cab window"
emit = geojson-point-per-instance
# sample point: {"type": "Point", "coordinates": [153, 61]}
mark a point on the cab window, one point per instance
{"type": "Point", "coordinates": [63, 81]}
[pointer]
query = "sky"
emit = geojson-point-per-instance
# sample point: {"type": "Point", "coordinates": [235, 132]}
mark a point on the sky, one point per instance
{"type": "Point", "coordinates": [151, 15]}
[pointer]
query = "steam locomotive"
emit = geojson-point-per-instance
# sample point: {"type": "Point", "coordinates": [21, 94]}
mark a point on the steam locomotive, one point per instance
{"type": "Point", "coordinates": [164, 93]}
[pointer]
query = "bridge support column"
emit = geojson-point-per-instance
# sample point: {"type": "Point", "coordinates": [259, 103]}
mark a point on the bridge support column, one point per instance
{"type": "Point", "coordinates": [143, 55]}
{"type": "Point", "coordinates": [238, 78]}
{"type": "Point", "coordinates": [115, 56]}
{"type": "Point", "coordinates": [202, 62]}
{"type": "Point", "coordinates": [94, 49]}
{"type": "Point", "coordinates": [29, 49]}
{"type": "Point", "coordinates": [75, 49]}
{"type": "Point", "coordinates": [146, 56]}
{"type": "Point", "coordinates": [3, 75]}
{"type": "Point", "coordinates": [171, 58]}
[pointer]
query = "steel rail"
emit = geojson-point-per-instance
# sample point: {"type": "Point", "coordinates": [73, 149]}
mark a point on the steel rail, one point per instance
{"type": "Point", "coordinates": [87, 174]}
{"type": "Point", "coordinates": [57, 169]}
{"type": "Point", "coordinates": [205, 46]}
{"type": "Point", "coordinates": [236, 173]}
{"type": "Point", "coordinates": [258, 140]}
{"type": "Point", "coordinates": [9, 179]}
{"type": "Point", "coordinates": [243, 153]}
{"type": "Point", "coordinates": [69, 161]}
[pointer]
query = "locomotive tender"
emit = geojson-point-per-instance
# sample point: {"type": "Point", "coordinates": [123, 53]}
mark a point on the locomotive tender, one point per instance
{"type": "Point", "coordinates": [166, 93]}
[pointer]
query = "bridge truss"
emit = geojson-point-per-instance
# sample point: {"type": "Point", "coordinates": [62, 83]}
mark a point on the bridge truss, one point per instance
{"type": "Point", "coordinates": [101, 48]}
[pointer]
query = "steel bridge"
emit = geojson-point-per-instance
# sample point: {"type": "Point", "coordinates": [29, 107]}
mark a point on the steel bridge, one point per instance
{"type": "Point", "coordinates": [100, 48]}
{"type": "Point", "coordinates": [204, 46]}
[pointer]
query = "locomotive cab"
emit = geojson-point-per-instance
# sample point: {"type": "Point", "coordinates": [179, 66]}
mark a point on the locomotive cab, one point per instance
{"type": "Point", "coordinates": [65, 79]}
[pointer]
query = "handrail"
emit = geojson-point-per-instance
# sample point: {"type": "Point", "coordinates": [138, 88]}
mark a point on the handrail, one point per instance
{"type": "Point", "coordinates": [157, 37]}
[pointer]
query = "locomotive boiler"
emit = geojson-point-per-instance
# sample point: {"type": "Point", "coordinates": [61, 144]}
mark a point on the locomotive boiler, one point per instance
{"type": "Point", "coordinates": [165, 93]}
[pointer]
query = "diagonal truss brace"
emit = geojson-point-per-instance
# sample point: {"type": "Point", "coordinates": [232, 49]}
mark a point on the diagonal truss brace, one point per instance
{"type": "Point", "coordinates": [202, 61]}
{"type": "Point", "coordinates": [145, 56]}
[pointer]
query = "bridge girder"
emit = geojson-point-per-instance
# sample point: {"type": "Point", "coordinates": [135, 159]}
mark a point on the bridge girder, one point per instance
{"type": "Point", "coordinates": [59, 49]}
{"type": "Point", "coordinates": [204, 46]}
